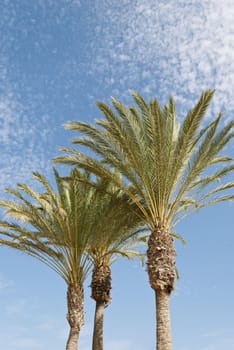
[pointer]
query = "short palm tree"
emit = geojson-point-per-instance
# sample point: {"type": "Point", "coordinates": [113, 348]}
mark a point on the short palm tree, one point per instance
{"type": "Point", "coordinates": [53, 226]}
{"type": "Point", "coordinates": [116, 232]}
{"type": "Point", "coordinates": [172, 170]}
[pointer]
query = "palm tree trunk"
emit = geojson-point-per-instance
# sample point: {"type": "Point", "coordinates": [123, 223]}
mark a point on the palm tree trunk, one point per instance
{"type": "Point", "coordinates": [101, 287]}
{"type": "Point", "coordinates": [164, 341]}
{"type": "Point", "coordinates": [75, 315]}
{"type": "Point", "coordinates": [98, 326]}
{"type": "Point", "coordinates": [72, 342]}
{"type": "Point", "coordinates": [162, 274]}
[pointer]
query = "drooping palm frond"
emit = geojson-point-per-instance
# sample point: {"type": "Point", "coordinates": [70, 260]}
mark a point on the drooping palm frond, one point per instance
{"type": "Point", "coordinates": [169, 170]}
{"type": "Point", "coordinates": [117, 224]}
{"type": "Point", "coordinates": [82, 224]}
{"type": "Point", "coordinates": [50, 225]}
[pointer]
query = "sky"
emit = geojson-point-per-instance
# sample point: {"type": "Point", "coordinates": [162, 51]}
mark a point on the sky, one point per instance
{"type": "Point", "coordinates": [57, 58]}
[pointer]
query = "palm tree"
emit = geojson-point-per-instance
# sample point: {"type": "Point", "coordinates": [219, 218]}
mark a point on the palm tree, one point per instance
{"type": "Point", "coordinates": [116, 229]}
{"type": "Point", "coordinates": [172, 170]}
{"type": "Point", "coordinates": [95, 218]}
{"type": "Point", "coordinates": [53, 227]}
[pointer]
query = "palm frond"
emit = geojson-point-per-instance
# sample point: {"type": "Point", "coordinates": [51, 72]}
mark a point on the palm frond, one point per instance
{"type": "Point", "coordinates": [166, 168]}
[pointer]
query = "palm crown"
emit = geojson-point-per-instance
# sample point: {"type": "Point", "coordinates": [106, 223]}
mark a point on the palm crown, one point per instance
{"type": "Point", "coordinates": [173, 169]}
{"type": "Point", "coordinates": [117, 224]}
{"type": "Point", "coordinates": [51, 226]}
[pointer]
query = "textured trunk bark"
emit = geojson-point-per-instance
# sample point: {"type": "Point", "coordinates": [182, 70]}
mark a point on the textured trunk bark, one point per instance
{"type": "Point", "coordinates": [164, 341]}
{"type": "Point", "coordinates": [101, 287]}
{"type": "Point", "coordinates": [98, 326]}
{"type": "Point", "coordinates": [101, 283]}
{"type": "Point", "coordinates": [75, 315]}
{"type": "Point", "coordinates": [162, 274]}
{"type": "Point", "coordinates": [161, 260]}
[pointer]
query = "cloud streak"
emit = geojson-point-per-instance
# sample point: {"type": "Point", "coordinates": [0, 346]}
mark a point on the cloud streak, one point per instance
{"type": "Point", "coordinates": [178, 50]}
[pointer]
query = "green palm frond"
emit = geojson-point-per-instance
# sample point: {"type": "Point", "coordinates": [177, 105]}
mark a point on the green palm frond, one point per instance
{"type": "Point", "coordinates": [217, 200]}
{"type": "Point", "coordinates": [168, 170]}
{"type": "Point", "coordinates": [82, 221]}
{"type": "Point", "coordinates": [117, 225]}
{"type": "Point", "coordinates": [50, 225]}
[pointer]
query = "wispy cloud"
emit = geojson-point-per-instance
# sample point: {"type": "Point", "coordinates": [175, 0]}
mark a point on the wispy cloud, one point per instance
{"type": "Point", "coordinates": [25, 131]}
{"type": "Point", "coordinates": [22, 140]}
{"type": "Point", "coordinates": [215, 339]}
{"type": "Point", "coordinates": [220, 336]}
{"type": "Point", "coordinates": [24, 137]}
{"type": "Point", "coordinates": [76, 2]}
{"type": "Point", "coordinates": [26, 326]}
{"type": "Point", "coordinates": [123, 344]}
{"type": "Point", "coordinates": [23, 307]}
{"type": "Point", "coordinates": [26, 343]}
{"type": "Point", "coordinates": [153, 46]}
{"type": "Point", "coordinates": [5, 284]}
{"type": "Point", "coordinates": [158, 46]}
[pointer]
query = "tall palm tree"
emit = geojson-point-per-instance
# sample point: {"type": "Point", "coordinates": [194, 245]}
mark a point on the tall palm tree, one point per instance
{"type": "Point", "coordinates": [116, 232]}
{"type": "Point", "coordinates": [172, 170]}
{"type": "Point", "coordinates": [53, 227]}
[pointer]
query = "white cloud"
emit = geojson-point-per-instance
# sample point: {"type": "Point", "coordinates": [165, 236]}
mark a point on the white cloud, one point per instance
{"type": "Point", "coordinates": [24, 132]}
{"type": "Point", "coordinates": [177, 49]}
{"type": "Point", "coordinates": [22, 141]}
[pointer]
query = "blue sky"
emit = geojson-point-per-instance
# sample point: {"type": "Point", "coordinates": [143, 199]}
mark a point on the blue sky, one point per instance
{"type": "Point", "coordinates": [57, 57]}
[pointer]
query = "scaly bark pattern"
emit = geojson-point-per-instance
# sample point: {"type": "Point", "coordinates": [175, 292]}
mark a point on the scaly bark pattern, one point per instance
{"type": "Point", "coordinates": [162, 275]}
{"type": "Point", "coordinates": [101, 284]}
{"type": "Point", "coordinates": [75, 315]}
{"type": "Point", "coordinates": [161, 260]}
{"type": "Point", "coordinates": [101, 287]}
